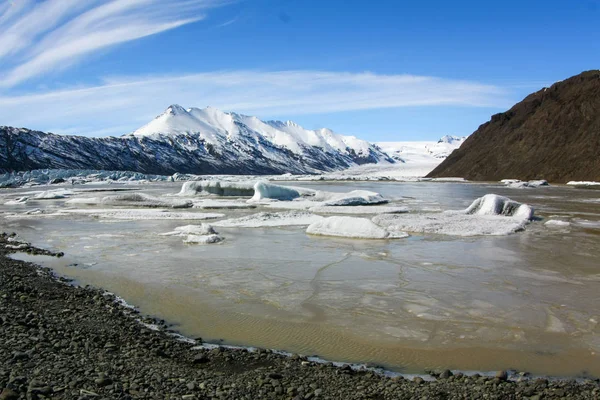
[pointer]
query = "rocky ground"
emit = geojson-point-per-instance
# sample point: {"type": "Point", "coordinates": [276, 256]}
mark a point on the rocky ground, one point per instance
{"type": "Point", "coordinates": [66, 342]}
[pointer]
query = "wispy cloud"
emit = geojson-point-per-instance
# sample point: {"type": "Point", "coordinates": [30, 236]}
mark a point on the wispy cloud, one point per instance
{"type": "Point", "coordinates": [41, 36]}
{"type": "Point", "coordinates": [129, 102]}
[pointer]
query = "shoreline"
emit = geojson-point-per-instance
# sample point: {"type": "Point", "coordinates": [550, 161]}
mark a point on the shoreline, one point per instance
{"type": "Point", "coordinates": [65, 341]}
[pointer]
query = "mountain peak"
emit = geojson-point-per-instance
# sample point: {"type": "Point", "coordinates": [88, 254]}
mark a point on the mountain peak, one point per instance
{"type": "Point", "coordinates": [175, 109]}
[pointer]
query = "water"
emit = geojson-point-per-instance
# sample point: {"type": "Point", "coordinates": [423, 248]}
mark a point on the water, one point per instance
{"type": "Point", "coordinates": [527, 301]}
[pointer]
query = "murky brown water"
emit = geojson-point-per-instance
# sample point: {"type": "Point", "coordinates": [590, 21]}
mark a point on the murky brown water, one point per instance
{"type": "Point", "coordinates": [527, 301]}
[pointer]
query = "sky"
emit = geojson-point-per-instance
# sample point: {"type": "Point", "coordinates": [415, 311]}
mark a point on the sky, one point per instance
{"type": "Point", "coordinates": [381, 70]}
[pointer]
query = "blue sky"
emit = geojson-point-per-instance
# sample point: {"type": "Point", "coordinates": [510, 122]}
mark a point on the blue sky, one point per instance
{"type": "Point", "coordinates": [381, 70]}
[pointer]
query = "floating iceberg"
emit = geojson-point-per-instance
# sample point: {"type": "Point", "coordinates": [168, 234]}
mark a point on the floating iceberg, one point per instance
{"type": "Point", "coordinates": [518, 184]}
{"type": "Point", "coordinates": [488, 215]}
{"type": "Point", "coordinates": [204, 239]}
{"type": "Point", "coordinates": [264, 190]}
{"type": "Point", "coordinates": [583, 183]}
{"type": "Point", "coordinates": [196, 234]}
{"type": "Point", "coordinates": [267, 219]}
{"type": "Point", "coordinates": [492, 204]}
{"type": "Point", "coordinates": [557, 223]}
{"type": "Point", "coordinates": [213, 204]}
{"type": "Point", "coordinates": [353, 198]}
{"type": "Point", "coordinates": [351, 227]}
{"type": "Point", "coordinates": [199, 230]}
{"type": "Point", "coordinates": [219, 188]}
{"type": "Point", "coordinates": [18, 201]}
{"type": "Point", "coordinates": [53, 194]}
{"type": "Point", "coordinates": [144, 200]}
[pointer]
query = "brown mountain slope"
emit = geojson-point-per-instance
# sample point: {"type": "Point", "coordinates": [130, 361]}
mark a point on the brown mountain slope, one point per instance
{"type": "Point", "coordinates": [553, 134]}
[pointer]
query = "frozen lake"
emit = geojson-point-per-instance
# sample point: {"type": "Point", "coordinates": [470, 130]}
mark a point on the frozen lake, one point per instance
{"type": "Point", "coordinates": [526, 300]}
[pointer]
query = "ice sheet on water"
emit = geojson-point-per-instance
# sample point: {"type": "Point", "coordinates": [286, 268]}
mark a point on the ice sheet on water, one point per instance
{"type": "Point", "coordinates": [359, 209]}
{"type": "Point", "coordinates": [488, 215]}
{"type": "Point", "coordinates": [518, 184]}
{"type": "Point", "coordinates": [267, 219]}
{"type": "Point", "coordinates": [203, 239]}
{"type": "Point", "coordinates": [202, 229]}
{"type": "Point", "coordinates": [353, 198]}
{"type": "Point", "coordinates": [264, 190]}
{"type": "Point", "coordinates": [144, 200]}
{"type": "Point", "coordinates": [557, 223]}
{"type": "Point", "coordinates": [219, 188]}
{"type": "Point", "coordinates": [140, 214]}
{"type": "Point", "coordinates": [351, 227]}
{"type": "Point", "coordinates": [216, 204]}
{"type": "Point", "coordinates": [583, 183]}
{"type": "Point", "coordinates": [53, 194]}
{"type": "Point", "coordinates": [18, 201]}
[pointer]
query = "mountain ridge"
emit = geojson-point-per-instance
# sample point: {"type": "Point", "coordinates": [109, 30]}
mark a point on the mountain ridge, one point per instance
{"type": "Point", "coordinates": [552, 134]}
{"type": "Point", "coordinates": [197, 141]}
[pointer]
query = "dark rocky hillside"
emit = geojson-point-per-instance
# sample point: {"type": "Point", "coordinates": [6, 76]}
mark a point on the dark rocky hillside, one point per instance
{"type": "Point", "coordinates": [553, 134]}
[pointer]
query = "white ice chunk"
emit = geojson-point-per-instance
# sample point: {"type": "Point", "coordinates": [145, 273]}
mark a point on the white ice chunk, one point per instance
{"type": "Point", "coordinates": [492, 204]}
{"type": "Point", "coordinates": [202, 229]}
{"type": "Point", "coordinates": [267, 219]}
{"type": "Point", "coordinates": [214, 204]}
{"type": "Point", "coordinates": [203, 239]}
{"type": "Point", "coordinates": [90, 201]}
{"type": "Point", "coordinates": [350, 227]}
{"type": "Point", "coordinates": [488, 215]}
{"type": "Point", "coordinates": [583, 183]}
{"type": "Point", "coordinates": [219, 188]}
{"type": "Point", "coordinates": [353, 198]}
{"type": "Point", "coordinates": [358, 210]}
{"type": "Point", "coordinates": [53, 194]}
{"type": "Point", "coordinates": [557, 223]}
{"type": "Point", "coordinates": [18, 201]}
{"type": "Point", "coordinates": [140, 214]}
{"type": "Point", "coordinates": [517, 184]}
{"type": "Point", "coordinates": [144, 200]}
{"type": "Point", "coordinates": [264, 190]}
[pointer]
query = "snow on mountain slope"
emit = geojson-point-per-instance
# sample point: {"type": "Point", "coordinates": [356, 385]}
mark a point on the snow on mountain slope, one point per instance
{"type": "Point", "coordinates": [215, 125]}
{"type": "Point", "coordinates": [422, 152]}
{"type": "Point", "coordinates": [196, 141]}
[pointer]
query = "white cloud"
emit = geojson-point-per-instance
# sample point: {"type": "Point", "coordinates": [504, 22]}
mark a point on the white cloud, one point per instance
{"type": "Point", "coordinates": [41, 36]}
{"type": "Point", "coordinates": [123, 104]}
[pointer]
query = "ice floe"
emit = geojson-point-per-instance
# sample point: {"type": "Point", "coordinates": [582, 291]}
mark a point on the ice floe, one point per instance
{"type": "Point", "coordinates": [201, 230]}
{"type": "Point", "coordinates": [215, 204]}
{"type": "Point", "coordinates": [488, 215]}
{"type": "Point", "coordinates": [264, 190]}
{"type": "Point", "coordinates": [139, 214]}
{"type": "Point", "coordinates": [583, 183]}
{"type": "Point", "coordinates": [353, 198]}
{"type": "Point", "coordinates": [219, 188]}
{"type": "Point", "coordinates": [557, 223]}
{"type": "Point", "coordinates": [518, 184]}
{"type": "Point", "coordinates": [19, 201]}
{"type": "Point", "coordinates": [196, 234]}
{"type": "Point", "coordinates": [144, 200]}
{"type": "Point", "coordinates": [203, 239]}
{"type": "Point", "coordinates": [267, 219]}
{"type": "Point", "coordinates": [359, 210]}
{"type": "Point", "coordinates": [52, 194]}
{"type": "Point", "coordinates": [351, 227]}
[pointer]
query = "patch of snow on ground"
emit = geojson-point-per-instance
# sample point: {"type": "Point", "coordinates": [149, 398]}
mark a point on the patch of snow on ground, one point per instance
{"type": "Point", "coordinates": [350, 227]}
{"type": "Point", "coordinates": [267, 219]}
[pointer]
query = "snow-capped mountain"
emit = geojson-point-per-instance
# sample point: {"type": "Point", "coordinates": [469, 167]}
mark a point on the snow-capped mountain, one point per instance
{"type": "Point", "coordinates": [198, 141]}
{"type": "Point", "coordinates": [422, 152]}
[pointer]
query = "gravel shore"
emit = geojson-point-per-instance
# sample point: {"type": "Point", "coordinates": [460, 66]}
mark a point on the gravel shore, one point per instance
{"type": "Point", "coordinates": [67, 342]}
